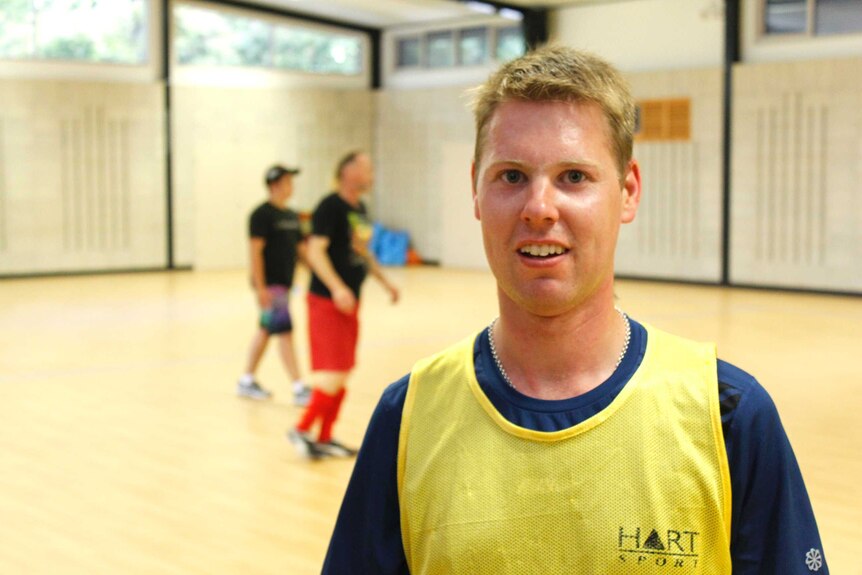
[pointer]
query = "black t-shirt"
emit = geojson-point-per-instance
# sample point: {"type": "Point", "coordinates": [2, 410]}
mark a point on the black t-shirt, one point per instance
{"type": "Point", "coordinates": [349, 231]}
{"type": "Point", "coordinates": [280, 229]}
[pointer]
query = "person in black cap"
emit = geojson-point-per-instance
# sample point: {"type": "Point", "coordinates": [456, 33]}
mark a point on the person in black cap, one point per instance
{"type": "Point", "coordinates": [275, 242]}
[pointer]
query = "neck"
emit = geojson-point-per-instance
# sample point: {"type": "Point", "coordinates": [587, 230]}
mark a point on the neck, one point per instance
{"type": "Point", "coordinates": [579, 349]}
{"type": "Point", "coordinates": [351, 196]}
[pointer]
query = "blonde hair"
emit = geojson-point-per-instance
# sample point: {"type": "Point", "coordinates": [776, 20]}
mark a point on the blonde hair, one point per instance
{"type": "Point", "coordinates": [560, 74]}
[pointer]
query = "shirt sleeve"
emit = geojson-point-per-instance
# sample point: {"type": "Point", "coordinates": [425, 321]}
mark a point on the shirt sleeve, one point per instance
{"type": "Point", "coordinates": [323, 219]}
{"type": "Point", "coordinates": [773, 529]}
{"type": "Point", "coordinates": [258, 224]}
{"type": "Point", "coordinates": [367, 535]}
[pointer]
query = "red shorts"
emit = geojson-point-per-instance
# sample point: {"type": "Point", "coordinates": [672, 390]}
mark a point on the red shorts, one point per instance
{"type": "Point", "coordinates": [332, 335]}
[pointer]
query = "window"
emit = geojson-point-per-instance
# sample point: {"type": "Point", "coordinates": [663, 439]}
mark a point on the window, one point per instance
{"type": "Point", "coordinates": [510, 43]}
{"type": "Point", "coordinates": [459, 47]}
{"type": "Point", "coordinates": [473, 46]}
{"type": "Point", "coordinates": [211, 37]}
{"type": "Point", "coordinates": [313, 51]}
{"type": "Point", "coordinates": [441, 52]}
{"type": "Point", "coordinates": [786, 16]}
{"type": "Point", "coordinates": [91, 31]}
{"type": "Point", "coordinates": [837, 17]}
{"type": "Point", "coordinates": [409, 52]}
{"type": "Point", "coordinates": [812, 17]}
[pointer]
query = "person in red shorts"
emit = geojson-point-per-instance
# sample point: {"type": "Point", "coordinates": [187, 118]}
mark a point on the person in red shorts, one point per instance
{"type": "Point", "coordinates": [340, 259]}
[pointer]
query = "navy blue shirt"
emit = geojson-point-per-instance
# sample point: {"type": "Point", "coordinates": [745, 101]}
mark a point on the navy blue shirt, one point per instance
{"type": "Point", "coordinates": [773, 530]}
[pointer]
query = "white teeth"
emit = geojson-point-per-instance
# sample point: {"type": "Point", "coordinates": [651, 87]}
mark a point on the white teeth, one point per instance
{"type": "Point", "coordinates": [542, 250]}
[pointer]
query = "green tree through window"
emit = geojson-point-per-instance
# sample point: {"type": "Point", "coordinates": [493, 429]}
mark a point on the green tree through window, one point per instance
{"type": "Point", "coordinates": [84, 30]}
{"type": "Point", "coordinates": [210, 37]}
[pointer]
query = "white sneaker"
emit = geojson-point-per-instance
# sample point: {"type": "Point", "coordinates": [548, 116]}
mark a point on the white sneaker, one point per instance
{"type": "Point", "coordinates": [301, 396]}
{"type": "Point", "coordinates": [252, 391]}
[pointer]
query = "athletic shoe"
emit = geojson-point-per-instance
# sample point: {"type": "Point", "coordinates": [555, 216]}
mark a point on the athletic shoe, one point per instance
{"type": "Point", "coordinates": [304, 445]}
{"type": "Point", "coordinates": [302, 397]}
{"type": "Point", "coordinates": [336, 449]}
{"type": "Point", "coordinates": [252, 391]}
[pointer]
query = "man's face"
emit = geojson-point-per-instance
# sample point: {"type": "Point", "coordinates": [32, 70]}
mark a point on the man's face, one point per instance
{"type": "Point", "coordinates": [281, 190]}
{"type": "Point", "coordinates": [550, 200]}
{"type": "Point", "coordinates": [358, 174]}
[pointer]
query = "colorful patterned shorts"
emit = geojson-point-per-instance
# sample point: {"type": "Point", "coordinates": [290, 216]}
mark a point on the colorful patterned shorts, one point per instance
{"type": "Point", "coordinates": [276, 318]}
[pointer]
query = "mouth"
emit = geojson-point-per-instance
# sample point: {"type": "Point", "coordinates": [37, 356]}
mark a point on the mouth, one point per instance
{"type": "Point", "coordinates": [542, 251]}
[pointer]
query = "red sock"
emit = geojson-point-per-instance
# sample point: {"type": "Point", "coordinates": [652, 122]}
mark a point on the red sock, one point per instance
{"type": "Point", "coordinates": [331, 415]}
{"type": "Point", "coordinates": [319, 405]}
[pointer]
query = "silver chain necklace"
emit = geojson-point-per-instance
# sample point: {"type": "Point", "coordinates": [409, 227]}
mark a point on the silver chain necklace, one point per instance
{"type": "Point", "coordinates": [506, 375]}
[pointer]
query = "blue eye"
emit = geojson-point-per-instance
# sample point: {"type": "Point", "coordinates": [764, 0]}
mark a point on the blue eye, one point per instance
{"type": "Point", "coordinates": [575, 176]}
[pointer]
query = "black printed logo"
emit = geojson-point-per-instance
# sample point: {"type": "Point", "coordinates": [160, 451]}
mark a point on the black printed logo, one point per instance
{"type": "Point", "coordinates": [670, 548]}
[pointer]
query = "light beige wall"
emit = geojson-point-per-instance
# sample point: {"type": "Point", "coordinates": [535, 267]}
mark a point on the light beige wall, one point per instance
{"type": "Point", "coordinates": [645, 35]}
{"type": "Point", "coordinates": [82, 184]}
{"type": "Point", "coordinates": [225, 138]}
{"type": "Point", "coordinates": [677, 232]}
{"type": "Point", "coordinates": [461, 239]}
{"type": "Point", "coordinates": [414, 128]}
{"type": "Point", "coordinates": [797, 163]}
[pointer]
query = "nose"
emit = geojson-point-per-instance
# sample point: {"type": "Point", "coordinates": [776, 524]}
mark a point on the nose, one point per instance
{"type": "Point", "coordinates": [540, 206]}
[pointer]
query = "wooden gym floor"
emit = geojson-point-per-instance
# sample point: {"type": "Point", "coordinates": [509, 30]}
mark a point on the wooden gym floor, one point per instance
{"type": "Point", "coordinates": [125, 451]}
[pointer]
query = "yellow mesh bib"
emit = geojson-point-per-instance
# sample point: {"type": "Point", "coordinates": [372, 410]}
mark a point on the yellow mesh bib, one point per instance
{"type": "Point", "coordinates": [640, 488]}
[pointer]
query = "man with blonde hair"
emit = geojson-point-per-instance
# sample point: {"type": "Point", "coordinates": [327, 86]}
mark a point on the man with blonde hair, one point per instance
{"type": "Point", "coordinates": [566, 437]}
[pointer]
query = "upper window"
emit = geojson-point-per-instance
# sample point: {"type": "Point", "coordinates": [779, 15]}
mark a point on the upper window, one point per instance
{"type": "Point", "coordinates": [510, 43]}
{"type": "Point", "coordinates": [812, 17]}
{"type": "Point", "coordinates": [441, 49]}
{"type": "Point", "coordinates": [837, 17]}
{"type": "Point", "coordinates": [212, 37]}
{"type": "Point", "coordinates": [786, 16]}
{"type": "Point", "coordinates": [474, 46]}
{"type": "Point", "coordinates": [74, 30]}
{"type": "Point", "coordinates": [409, 52]}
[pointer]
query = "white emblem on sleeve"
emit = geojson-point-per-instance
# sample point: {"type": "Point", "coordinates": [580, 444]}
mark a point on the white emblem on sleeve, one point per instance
{"type": "Point", "coordinates": [814, 560]}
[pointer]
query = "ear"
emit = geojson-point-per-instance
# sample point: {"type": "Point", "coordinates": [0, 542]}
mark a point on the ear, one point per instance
{"type": "Point", "coordinates": [631, 192]}
{"type": "Point", "coordinates": [475, 194]}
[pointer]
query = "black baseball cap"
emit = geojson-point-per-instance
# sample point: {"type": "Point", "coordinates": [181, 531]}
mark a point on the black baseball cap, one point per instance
{"type": "Point", "coordinates": [276, 172]}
